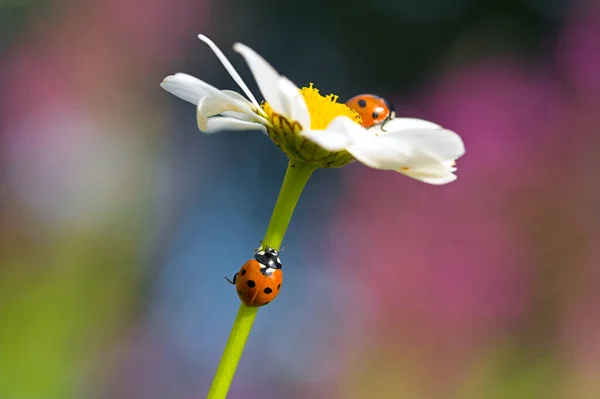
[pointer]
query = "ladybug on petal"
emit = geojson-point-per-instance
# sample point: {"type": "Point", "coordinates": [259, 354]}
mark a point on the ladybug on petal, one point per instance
{"type": "Point", "coordinates": [259, 280]}
{"type": "Point", "coordinates": [372, 109]}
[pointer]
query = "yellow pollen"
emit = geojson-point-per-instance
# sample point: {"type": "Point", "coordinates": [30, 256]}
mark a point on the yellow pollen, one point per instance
{"type": "Point", "coordinates": [322, 109]}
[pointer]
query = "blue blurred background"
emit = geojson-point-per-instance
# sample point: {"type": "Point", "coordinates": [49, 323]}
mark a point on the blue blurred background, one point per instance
{"type": "Point", "coordinates": [119, 219]}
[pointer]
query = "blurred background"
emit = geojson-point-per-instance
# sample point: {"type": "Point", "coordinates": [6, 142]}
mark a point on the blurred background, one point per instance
{"type": "Point", "coordinates": [113, 204]}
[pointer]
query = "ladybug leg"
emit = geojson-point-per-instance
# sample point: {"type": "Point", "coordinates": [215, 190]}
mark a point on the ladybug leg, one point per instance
{"type": "Point", "coordinates": [232, 282]}
{"type": "Point", "coordinates": [389, 118]}
{"type": "Point", "coordinates": [259, 247]}
{"type": "Point", "coordinates": [383, 125]}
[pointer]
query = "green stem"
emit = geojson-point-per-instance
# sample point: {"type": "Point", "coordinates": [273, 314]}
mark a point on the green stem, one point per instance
{"type": "Point", "coordinates": [295, 179]}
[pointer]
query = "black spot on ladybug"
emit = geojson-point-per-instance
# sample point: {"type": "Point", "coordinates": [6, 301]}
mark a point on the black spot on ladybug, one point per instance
{"type": "Point", "coordinates": [375, 115]}
{"type": "Point", "coordinates": [243, 272]}
{"type": "Point", "coordinates": [362, 103]}
{"type": "Point", "coordinates": [267, 290]}
{"type": "Point", "coordinates": [278, 286]}
{"type": "Point", "coordinates": [251, 283]}
{"type": "Point", "coordinates": [239, 292]}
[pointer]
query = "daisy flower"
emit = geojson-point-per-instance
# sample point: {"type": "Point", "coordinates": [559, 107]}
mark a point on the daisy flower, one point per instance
{"type": "Point", "coordinates": [316, 129]}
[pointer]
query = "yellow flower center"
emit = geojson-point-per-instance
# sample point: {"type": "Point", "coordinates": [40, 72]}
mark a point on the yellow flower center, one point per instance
{"type": "Point", "coordinates": [322, 109]}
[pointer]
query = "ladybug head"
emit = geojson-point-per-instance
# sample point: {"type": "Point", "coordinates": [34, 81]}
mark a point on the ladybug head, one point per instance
{"type": "Point", "coordinates": [268, 257]}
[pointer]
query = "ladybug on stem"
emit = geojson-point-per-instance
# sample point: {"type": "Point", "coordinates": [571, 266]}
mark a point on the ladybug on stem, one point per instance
{"type": "Point", "coordinates": [372, 109]}
{"type": "Point", "coordinates": [259, 280]}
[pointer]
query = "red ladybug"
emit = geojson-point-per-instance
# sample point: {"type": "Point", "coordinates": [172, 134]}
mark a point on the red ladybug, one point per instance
{"type": "Point", "coordinates": [372, 109]}
{"type": "Point", "coordinates": [259, 280]}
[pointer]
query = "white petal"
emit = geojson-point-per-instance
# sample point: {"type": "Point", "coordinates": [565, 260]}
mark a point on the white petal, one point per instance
{"type": "Point", "coordinates": [201, 117]}
{"type": "Point", "coordinates": [235, 95]}
{"type": "Point", "coordinates": [214, 105]}
{"type": "Point", "coordinates": [436, 180]}
{"type": "Point", "coordinates": [251, 116]}
{"type": "Point", "coordinates": [294, 103]}
{"type": "Point", "coordinates": [222, 123]}
{"type": "Point", "coordinates": [193, 89]}
{"type": "Point", "coordinates": [382, 154]}
{"type": "Point", "coordinates": [266, 76]}
{"type": "Point", "coordinates": [430, 170]}
{"type": "Point", "coordinates": [355, 131]}
{"type": "Point", "coordinates": [398, 124]}
{"type": "Point", "coordinates": [236, 76]}
{"type": "Point", "coordinates": [187, 87]}
{"type": "Point", "coordinates": [330, 140]}
{"type": "Point", "coordinates": [425, 168]}
{"type": "Point", "coordinates": [426, 164]}
{"type": "Point", "coordinates": [220, 103]}
{"type": "Point", "coordinates": [246, 117]}
{"type": "Point", "coordinates": [341, 133]}
{"type": "Point", "coordinates": [440, 144]}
